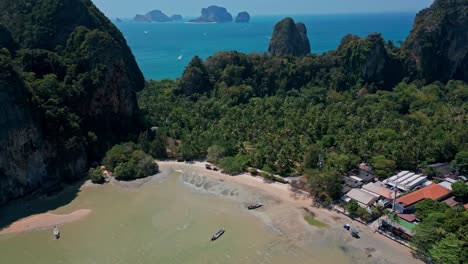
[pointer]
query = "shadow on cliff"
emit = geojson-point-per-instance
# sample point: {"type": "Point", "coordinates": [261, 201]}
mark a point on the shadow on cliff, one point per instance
{"type": "Point", "coordinates": [38, 204]}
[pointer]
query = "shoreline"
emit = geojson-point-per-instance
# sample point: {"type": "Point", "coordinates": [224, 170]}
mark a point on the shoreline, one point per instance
{"type": "Point", "coordinates": [44, 221]}
{"type": "Point", "coordinates": [289, 207]}
{"type": "Point", "coordinates": [283, 212]}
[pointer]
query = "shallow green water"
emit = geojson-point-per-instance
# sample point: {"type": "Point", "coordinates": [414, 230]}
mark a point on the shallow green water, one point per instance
{"type": "Point", "coordinates": [160, 222]}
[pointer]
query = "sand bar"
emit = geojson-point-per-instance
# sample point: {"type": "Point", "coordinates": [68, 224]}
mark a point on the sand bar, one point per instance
{"type": "Point", "coordinates": [45, 220]}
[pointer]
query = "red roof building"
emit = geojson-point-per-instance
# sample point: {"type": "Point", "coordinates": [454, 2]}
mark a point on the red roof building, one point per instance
{"type": "Point", "coordinates": [433, 191]}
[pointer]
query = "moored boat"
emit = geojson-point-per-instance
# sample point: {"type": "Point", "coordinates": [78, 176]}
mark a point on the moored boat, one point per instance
{"type": "Point", "coordinates": [218, 234]}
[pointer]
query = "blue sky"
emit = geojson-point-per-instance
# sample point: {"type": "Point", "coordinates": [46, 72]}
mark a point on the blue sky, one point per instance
{"type": "Point", "coordinates": [128, 8]}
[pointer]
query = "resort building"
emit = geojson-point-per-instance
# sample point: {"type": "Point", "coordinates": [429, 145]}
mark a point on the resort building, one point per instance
{"type": "Point", "coordinates": [386, 195]}
{"type": "Point", "coordinates": [363, 198]}
{"type": "Point", "coordinates": [436, 192]}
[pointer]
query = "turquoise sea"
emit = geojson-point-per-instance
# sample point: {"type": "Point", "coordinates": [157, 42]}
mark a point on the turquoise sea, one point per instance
{"type": "Point", "coordinates": [164, 49]}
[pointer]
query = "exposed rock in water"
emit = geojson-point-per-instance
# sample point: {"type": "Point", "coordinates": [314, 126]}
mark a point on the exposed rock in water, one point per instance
{"type": "Point", "coordinates": [289, 39]}
{"type": "Point", "coordinates": [118, 20]}
{"type": "Point", "coordinates": [83, 63]}
{"type": "Point", "coordinates": [214, 14]}
{"type": "Point", "coordinates": [153, 16]}
{"type": "Point", "coordinates": [243, 17]}
{"type": "Point", "coordinates": [438, 41]}
{"type": "Point", "coordinates": [176, 17]}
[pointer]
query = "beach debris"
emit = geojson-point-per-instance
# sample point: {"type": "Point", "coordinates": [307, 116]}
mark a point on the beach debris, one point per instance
{"type": "Point", "coordinates": [254, 206]}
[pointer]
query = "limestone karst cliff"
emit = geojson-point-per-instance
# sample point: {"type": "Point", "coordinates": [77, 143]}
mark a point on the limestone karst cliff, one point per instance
{"type": "Point", "coordinates": [67, 92]}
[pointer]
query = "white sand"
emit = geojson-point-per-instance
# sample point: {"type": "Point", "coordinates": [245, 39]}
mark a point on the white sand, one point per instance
{"type": "Point", "coordinates": [45, 220]}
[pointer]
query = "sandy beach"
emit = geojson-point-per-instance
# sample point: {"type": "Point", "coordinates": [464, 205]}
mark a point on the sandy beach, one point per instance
{"type": "Point", "coordinates": [284, 211]}
{"type": "Point", "coordinates": [45, 220]}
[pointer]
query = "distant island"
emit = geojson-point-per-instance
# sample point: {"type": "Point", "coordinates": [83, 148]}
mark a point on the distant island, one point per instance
{"type": "Point", "coordinates": [176, 17]}
{"type": "Point", "coordinates": [243, 17]}
{"type": "Point", "coordinates": [153, 16]}
{"type": "Point", "coordinates": [213, 14]}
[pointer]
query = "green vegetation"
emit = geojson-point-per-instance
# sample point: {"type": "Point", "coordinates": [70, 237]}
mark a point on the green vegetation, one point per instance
{"type": "Point", "coordinates": [442, 234]}
{"type": "Point", "coordinates": [127, 162]}
{"type": "Point", "coordinates": [272, 178]}
{"type": "Point", "coordinates": [321, 131]}
{"type": "Point", "coordinates": [461, 161]}
{"type": "Point", "coordinates": [96, 175]}
{"type": "Point", "coordinates": [460, 190]}
{"type": "Point", "coordinates": [314, 222]}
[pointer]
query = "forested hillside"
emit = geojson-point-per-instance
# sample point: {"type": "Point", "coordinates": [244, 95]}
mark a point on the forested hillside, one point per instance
{"type": "Point", "coordinates": [369, 100]}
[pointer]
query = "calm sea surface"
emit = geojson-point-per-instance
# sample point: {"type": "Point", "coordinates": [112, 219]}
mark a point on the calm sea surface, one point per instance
{"type": "Point", "coordinates": [164, 49]}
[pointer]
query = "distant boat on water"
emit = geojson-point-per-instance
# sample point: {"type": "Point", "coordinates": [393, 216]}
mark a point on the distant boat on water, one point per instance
{"type": "Point", "coordinates": [180, 57]}
{"type": "Point", "coordinates": [146, 32]}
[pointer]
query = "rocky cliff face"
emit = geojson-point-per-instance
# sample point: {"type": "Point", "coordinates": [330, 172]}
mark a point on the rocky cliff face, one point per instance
{"type": "Point", "coordinates": [366, 58]}
{"type": "Point", "coordinates": [214, 14]}
{"type": "Point", "coordinates": [289, 39]}
{"type": "Point", "coordinates": [438, 41]}
{"type": "Point", "coordinates": [243, 17]}
{"type": "Point", "coordinates": [67, 91]}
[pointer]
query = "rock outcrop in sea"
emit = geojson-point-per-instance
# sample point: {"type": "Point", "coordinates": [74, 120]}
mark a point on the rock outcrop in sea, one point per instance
{"type": "Point", "coordinates": [289, 39]}
{"type": "Point", "coordinates": [213, 14]}
{"type": "Point", "coordinates": [176, 17]}
{"type": "Point", "coordinates": [67, 92]}
{"type": "Point", "coordinates": [243, 17]}
{"type": "Point", "coordinates": [438, 41]}
{"type": "Point", "coordinates": [153, 16]}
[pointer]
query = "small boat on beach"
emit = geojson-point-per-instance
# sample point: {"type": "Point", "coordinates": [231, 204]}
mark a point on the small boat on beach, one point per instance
{"type": "Point", "coordinates": [56, 233]}
{"type": "Point", "coordinates": [254, 206]}
{"type": "Point", "coordinates": [218, 234]}
{"type": "Point", "coordinates": [354, 232]}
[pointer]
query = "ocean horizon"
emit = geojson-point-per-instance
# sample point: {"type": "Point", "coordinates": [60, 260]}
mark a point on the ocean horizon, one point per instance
{"type": "Point", "coordinates": [163, 50]}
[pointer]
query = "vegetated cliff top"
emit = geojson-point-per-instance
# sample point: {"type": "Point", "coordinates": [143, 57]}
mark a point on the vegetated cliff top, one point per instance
{"type": "Point", "coordinates": [289, 38]}
{"type": "Point", "coordinates": [76, 80]}
{"type": "Point", "coordinates": [438, 42]}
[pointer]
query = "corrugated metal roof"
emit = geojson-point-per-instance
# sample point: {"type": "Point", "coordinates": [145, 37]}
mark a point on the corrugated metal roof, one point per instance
{"type": "Point", "coordinates": [379, 190]}
{"type": "Point", "coordinates": [362, 196]}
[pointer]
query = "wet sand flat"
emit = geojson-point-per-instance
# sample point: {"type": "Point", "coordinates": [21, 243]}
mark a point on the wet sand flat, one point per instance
{"type": "Point", "coordinates": [170, 218]}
